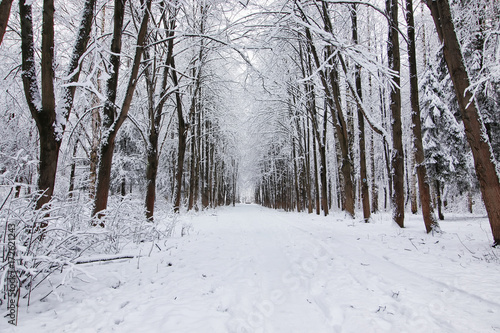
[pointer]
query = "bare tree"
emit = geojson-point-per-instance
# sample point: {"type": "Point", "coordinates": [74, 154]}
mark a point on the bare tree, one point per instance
{"type": "Point", "coordinates": [398, 198]}
{"type": "Point", "coordinates": [50, 123]}
{"type": "Point", "coordinates": [155, 107]}
{"type": "Point", "coordinates": [365, 194]}
{"type": "Point", "coordinates": [113, 120]}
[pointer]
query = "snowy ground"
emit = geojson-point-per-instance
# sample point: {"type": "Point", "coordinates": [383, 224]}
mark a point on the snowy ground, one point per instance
{"type": "Point", "coordinates": [251, 269]}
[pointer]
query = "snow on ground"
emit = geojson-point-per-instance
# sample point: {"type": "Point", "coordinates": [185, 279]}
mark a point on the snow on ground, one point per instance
{"type": "Point", "coordinates": [251, 269]}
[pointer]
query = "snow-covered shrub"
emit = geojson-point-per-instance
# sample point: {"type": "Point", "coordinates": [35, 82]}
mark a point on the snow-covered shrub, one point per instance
{"type": "Point", "coordinates": [69, 237]}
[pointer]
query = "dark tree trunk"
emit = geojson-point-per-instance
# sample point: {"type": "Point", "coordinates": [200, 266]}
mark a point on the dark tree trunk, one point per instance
{"type": "Point", "coordinates": [365, 194]}
{"type": "Point", "coordinates": [295, 175]}
{"type": "Point", "coordinates": [109, 134]}
{"type": "Point", "coordinates": [151, 170]}
{"type": "Point", "coordinates": [4, 17]}
{"type": "Point", "coordinates": [94, 149]}
{"type": "Point", "coordinates": [332, 92]}
{"type": "Point", "coordinates": [111, 123]}
{"type": "Point", "coordinates": [50, 130]}
{"type": "Point", "coordinates": [323, 169]}
{"type": "Point", "coordinates": [182, 136]}
{"type": "Point", "coordinates": [205, 195]}
{"type": "Point", "coordinates": [155, 116]}
{"type": "Point", "coordinates": [72, 172]}
{"type": "Point", "coordinates": [374, 205]}
{"type": "Point", "coordinates": [398, 198]}
{"type": "Point", "coordinates": [334, 102]}
{"type": "Point", "coordinates": [439, 200]}
{"type": "Point", "coordinates": [475, 131]}
{"type": "Point", "coordinates": [307, 171]}
{"type": "Point", "coordinates": [316, 180]}
{"type": "Point", "coordinates": [96, 126]}
{"type": "Point", "coordinates": [423, 186]}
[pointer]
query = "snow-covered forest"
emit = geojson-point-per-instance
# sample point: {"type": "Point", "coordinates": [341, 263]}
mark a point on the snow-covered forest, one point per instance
{"type": "Point", "coordinates": [129, 127]}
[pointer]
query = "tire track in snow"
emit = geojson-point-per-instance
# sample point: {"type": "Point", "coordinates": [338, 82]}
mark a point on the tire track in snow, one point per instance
{"type": "Point", "coordinates": [403, 292]}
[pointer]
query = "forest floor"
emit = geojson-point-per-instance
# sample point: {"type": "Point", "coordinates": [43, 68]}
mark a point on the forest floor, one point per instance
{"type": "Point", "coordinates": [252, 269]}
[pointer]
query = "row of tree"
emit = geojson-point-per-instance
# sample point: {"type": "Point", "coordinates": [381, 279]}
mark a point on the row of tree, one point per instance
{"type": "Point", "coordinates": [142, 80]}
{"type": "Point", "coordinates": [141, 97]}
{"type": "Point", "coordinates": [343, 125]}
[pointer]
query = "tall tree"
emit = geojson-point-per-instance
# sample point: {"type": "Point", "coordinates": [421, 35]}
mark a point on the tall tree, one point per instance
{"type": "Point", "coordinates": [365, 194]}
{"type": "Point", "coordinates": [484, 160]}
{"type": "Point", "coordinates": [155, 107]}
{"type": "Point", "coordinates": [50, 121]}
{"type": "Point", "coordinates": [418, 149]}
{"type": "Point", "coordinates": [330, 83]}
{"type": "Point", "coordinates": [113, 120]}
{"type": "Point", "coordinates": [393, 56]}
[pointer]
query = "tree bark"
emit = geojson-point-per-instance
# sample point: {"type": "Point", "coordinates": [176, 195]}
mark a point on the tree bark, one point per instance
{"type": "Point", "coordinates": [111, 122]}
{"type": "Point", "coordinates": [182, 138]}
{"type": "Point", "coordinates": [155, 116]}
{"type": "Point", "coordinates": [96, 125]}
{"type": "Point", "coordinates": [334, 102]}
{"type": "Point", "coordinates": [307, 171]}
{"type": "Point", "coordinates": [397, 135]}
{"type": "Point", "coordinates": [43, 106]}
{"type": "Point", "coordinates": [475, 131]}
{"type": "Point", "coordinates": [332, 94]}
{"type": "Point", "coordinates": [365, 194]}
{"type": "Point", "coordinates": [439, 200]}
{"type": "Point", "coordinates": [418, 149]}
{"type": "Point", "coordinates": [5, 6]}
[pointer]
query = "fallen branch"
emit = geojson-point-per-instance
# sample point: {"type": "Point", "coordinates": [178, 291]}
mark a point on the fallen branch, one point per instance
{"type": "Point", "coordinates": [103, 259]}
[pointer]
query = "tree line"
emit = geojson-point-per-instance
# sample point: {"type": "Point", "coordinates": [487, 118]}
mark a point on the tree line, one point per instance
{"type": "Point", "coordinates": [140, 81]}
{"type": "Point", "coordinates": [383, 106]}
{"type": "Point", "coordinates": [355, 103]}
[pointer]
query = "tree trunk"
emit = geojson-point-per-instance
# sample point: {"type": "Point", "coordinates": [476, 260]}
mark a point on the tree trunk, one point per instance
{"type": "Point", "coordinates": [94, 148]}
{"type": "Point", "coordinates": [423, 186]}
{"type": "Point", "coordinates": [4, 17]}
{"type": "Point", "coordinates": [413, 183]}
{"type": "Point", "coordinates": [295, 177]}
{"type": "Point", "coordinates": [470, 201]}
{"type": "Point", "coordinates": [334, 102]}
{"type": "Point", "coordinates": [398, 198]}
{"type": "Point", "coordinates": [109, 134]}
{"type": "Point", "coordinates": [332, 94]}
{"type": "Point", "coordinates": [182, 134]}
{"type": "Point", "coordinates": [307, 171]}
{"type": "Point", "coordinates": [205, 196]}
{"type": "Point", "coordinates": [316, 180]}
{"type": "Point", "coordinates": [439, 201]}
{"type": "Point", "coordinates": [110, 124]}
{"type": "Point", "coordinates": [96, 126]}
{"type": "Point", "coordinates": [50, 126]}
{"type": "Point", "coordinates": [365, 194]}
{"type": "Point", "coordinates": [475, 131]}
{"type": "Point", "coordinates": [323, 169]}
{"type": "Point", "coordinates": [155, 116]}
{"type": "Point", "coordinates": [73, 171]}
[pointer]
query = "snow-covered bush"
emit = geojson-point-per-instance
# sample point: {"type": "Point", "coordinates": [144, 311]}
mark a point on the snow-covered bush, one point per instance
{"type": "Point", "coordinates": [58, 238]}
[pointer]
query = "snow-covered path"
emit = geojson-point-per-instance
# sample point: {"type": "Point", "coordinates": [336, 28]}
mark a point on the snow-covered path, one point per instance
{"type": "Point", "coordinates": [251, 269]}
